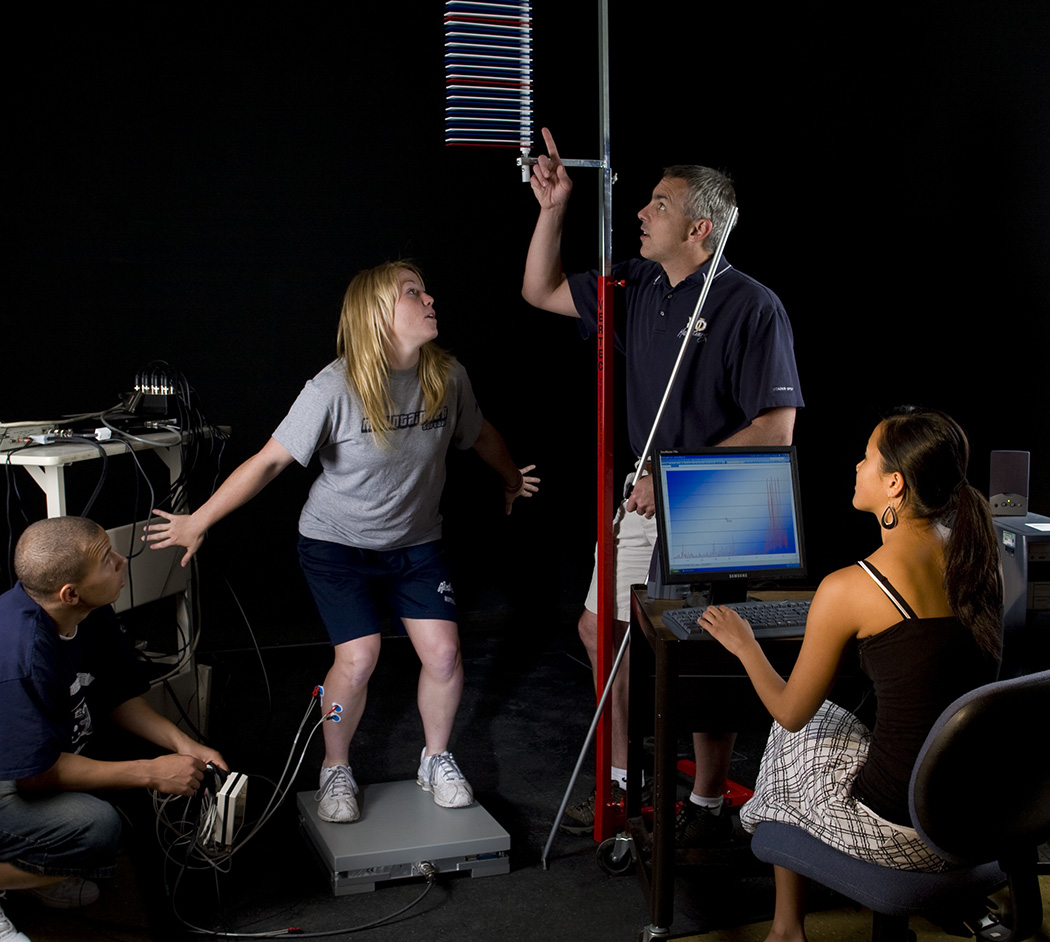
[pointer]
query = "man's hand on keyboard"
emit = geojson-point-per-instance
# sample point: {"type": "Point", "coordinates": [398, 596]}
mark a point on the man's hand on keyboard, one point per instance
{"type": "Point", "coordinates": [727, 628]}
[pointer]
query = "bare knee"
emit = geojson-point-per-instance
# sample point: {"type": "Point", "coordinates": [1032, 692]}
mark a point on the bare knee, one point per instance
{"type": "Point", "coordinates": [443, 660]}
{"type": "Point", "coordinates": [588, 629]}
{"type": "Point", "coordinates": [354, 662]}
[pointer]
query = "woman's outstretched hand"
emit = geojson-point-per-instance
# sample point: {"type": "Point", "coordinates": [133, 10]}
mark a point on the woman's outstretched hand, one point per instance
{"type": "Point", "coordinates": [527, 487]}
{"type": "Point", "coordinates": [174, 530]}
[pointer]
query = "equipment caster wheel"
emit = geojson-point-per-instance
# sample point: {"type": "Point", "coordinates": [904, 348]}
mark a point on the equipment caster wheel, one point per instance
{"type": "Point", "coordinates": [615, 856]}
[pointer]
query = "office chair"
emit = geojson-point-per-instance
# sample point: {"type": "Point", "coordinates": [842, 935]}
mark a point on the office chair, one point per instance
{"type": "Point", "coordinates": [979, 796]}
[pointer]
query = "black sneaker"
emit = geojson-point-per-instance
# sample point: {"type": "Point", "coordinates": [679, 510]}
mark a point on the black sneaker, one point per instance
{"type": "Point", "coordinates": [695, 826]}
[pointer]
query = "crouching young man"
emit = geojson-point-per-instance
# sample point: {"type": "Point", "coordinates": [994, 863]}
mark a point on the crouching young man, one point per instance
{"type": "Point", "coordinates": [65, 668]}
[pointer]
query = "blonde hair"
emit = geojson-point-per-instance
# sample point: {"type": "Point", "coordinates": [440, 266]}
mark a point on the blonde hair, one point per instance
{"type": "Point", "coordinates": [363, 341]}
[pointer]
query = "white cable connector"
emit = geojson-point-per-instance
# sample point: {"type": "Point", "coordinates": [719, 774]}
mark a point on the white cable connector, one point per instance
{"type": "Point", "coordinates": [228, 813]}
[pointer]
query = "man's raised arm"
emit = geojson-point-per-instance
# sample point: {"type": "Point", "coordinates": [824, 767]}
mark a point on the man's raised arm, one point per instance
{"type": "Point", "coordinates": [544, 285]}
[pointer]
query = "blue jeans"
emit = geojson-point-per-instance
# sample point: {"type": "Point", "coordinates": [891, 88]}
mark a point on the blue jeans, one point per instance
{"type": "Point", "coordinates": [58, 834]}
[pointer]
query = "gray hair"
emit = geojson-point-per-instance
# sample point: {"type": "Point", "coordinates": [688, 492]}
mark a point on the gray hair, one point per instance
{"type": "Point", "coordinates": [710, 195]}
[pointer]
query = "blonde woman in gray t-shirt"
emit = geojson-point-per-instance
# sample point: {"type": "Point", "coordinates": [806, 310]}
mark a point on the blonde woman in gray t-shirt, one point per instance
{"type": "Point", "coordinates": [380, 418]}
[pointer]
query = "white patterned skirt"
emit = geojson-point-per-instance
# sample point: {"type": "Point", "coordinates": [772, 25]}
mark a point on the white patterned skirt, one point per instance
{"type": "Point", "coordinates": [806, 779]}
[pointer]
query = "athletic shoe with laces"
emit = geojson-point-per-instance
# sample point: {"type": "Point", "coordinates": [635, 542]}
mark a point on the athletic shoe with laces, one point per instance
{"type": "Point", "coordinates": [71, 893]}
{"type": "Point", "coordinates": [579, 818]}
{"type": "Point", "coordinates": [8, 933]}
{"type": "Point", "coordinates": [440, 774]}
{"type": "Point", "coordinates": [696, 826]}
{"type": "Point", "coordinates": [337, 801]}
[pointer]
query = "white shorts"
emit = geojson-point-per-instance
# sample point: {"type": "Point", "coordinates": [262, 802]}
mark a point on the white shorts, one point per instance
{"type": "Point", "coordinates": [633, 540]}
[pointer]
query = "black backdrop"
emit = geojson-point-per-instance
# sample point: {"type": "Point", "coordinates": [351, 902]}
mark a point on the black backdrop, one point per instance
{"type": "Point", "coordinates": [201, 189]}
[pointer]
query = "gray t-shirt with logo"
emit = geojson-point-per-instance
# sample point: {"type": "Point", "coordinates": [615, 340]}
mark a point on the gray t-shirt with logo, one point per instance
{"type": "Point", "coordinates": [369, 495]}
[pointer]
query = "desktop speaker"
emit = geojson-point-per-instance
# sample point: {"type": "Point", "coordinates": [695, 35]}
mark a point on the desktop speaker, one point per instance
{"type": "Point", "coordinates": [1008, 483]}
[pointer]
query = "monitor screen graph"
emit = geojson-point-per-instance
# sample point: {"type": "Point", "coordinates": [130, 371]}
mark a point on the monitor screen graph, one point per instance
{"type": "Point", "coordinates": [729, 513]}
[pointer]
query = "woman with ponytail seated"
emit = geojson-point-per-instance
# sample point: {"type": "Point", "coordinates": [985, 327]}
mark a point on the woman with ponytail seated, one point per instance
{"type": "Point", "coordinates": [925, 610]}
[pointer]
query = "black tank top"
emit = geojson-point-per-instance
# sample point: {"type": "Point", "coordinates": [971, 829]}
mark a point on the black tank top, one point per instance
{"type": "Point", "coordinates": [917, 667]}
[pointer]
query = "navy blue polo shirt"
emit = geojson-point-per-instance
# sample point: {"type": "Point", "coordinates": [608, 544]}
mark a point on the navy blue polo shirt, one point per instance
{"type": "Point", "coordinates": [740, 362]}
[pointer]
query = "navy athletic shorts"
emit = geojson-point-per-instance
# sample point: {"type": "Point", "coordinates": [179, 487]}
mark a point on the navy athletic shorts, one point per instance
{"type": "Point", "coordinates": [349, 585]}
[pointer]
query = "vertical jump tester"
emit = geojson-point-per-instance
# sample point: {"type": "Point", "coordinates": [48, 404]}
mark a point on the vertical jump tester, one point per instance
{"type": "Point", "coordinates": [488, 78]}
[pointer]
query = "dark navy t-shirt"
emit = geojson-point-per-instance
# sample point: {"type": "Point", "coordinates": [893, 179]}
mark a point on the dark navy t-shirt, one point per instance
{"type": "Point", "coordinates": [54, 690]}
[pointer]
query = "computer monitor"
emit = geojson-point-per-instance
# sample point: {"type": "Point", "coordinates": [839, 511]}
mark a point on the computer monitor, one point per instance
{"type": "Point", "coordinates": [729, 516]}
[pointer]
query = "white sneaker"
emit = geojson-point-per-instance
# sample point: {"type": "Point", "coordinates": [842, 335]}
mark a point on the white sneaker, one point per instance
{"type": "Point", "coordinates": [71, 893]}
{"type": "Point", "coordinates": [8, 933]}
{"type": "Point", "coordinates": [336, 796]}
{"type": "Point", "coordinates": [440, 774]}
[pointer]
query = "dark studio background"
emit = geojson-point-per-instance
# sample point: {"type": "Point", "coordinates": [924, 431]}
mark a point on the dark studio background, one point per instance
{"type": "Point", "coordinates": [201, 189]}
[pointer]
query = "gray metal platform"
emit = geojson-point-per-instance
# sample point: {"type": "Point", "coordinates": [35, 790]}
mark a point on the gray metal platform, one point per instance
{"type": "Point", "coordinates": [400, 827]}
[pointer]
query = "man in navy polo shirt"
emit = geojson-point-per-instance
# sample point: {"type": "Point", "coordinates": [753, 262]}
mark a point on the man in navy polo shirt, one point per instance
{"type": "Point", "coordinates": [737, 385]}
{"type": "Point", "coordinates": [65, 669]}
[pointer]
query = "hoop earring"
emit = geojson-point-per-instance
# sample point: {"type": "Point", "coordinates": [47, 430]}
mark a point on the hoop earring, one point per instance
{"type": "Point", "coordinates": [888, 518]}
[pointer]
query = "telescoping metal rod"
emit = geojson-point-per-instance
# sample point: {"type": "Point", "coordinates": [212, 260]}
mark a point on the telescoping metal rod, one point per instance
{"type": "Point", "coordinates": [704, 291]}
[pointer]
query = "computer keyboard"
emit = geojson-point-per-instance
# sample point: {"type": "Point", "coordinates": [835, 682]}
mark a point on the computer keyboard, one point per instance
{"type": "Point", "coordinates": [781, 619]}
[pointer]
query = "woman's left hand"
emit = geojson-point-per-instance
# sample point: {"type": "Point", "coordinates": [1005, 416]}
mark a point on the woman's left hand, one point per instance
{"type": "Point", "coordinates": [526, 488]}
{"type": "Point", "coordinates": [727, 628]}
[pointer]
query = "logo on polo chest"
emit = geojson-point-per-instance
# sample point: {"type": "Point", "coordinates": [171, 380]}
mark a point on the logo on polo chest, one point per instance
{"type": "Point", "coordinates": [698, 331]}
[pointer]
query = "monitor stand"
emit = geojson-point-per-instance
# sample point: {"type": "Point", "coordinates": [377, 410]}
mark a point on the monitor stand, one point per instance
{"type": "Point", "coordinates": [716, 593]}
{"type": "Point", "coordinates": [726, 592]}
{"type": "Point", "coordinates": [401, 827]}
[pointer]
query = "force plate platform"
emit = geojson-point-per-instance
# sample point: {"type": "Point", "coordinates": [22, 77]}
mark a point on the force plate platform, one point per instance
{"type": "Point", "coordinates": [400, 827]}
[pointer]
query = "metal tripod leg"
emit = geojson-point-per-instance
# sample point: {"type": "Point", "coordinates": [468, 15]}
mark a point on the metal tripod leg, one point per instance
{"type": "Point", "coordinates": [586, 743]}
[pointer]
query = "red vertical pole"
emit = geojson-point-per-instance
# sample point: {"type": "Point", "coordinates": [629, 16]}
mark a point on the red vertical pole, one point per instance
{"type": "Point", "coordinates": [603, 821]}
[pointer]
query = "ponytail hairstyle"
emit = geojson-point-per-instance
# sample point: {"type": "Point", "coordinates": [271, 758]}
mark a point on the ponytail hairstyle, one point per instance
{"type": "Point", "coordinates": [363, 339]}
{"type": "Point", "coordinates": [930, 451]}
